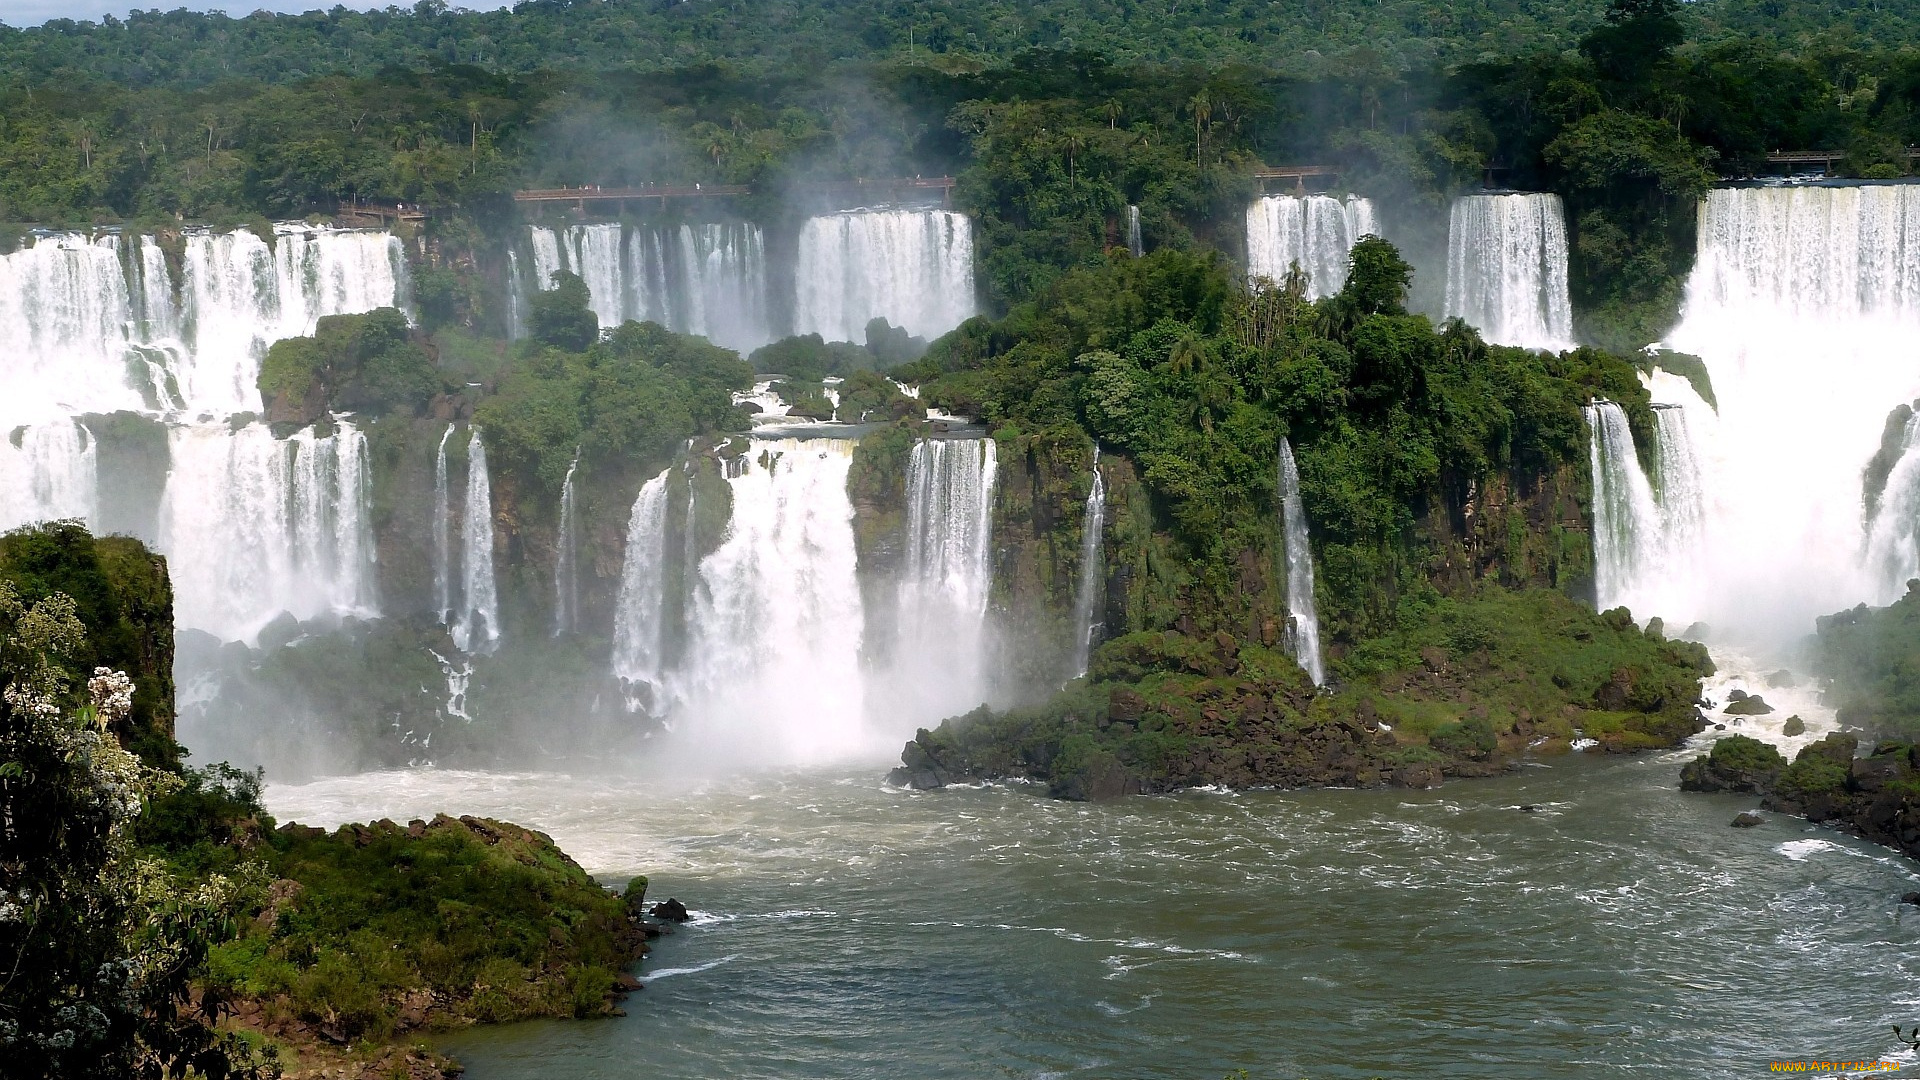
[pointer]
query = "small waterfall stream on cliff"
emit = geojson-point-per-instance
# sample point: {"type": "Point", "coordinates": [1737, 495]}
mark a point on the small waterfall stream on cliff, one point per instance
{"type": "Point", "coordinates": [773, 665]}
{"type": "Point", "coordinates": [1507, 269]}
{"type": "Point", "coordinates": [1315, 231]}
{"type": "Point", "coordinates": [51, 474]}
{"type": "Point", "coordinates": [1627, 528]}
{"type": "Point", "coordinates": [1303, 624]}
{"type": "Point", "coordinates": [639, 613]}
{"type": "Point", "coordinates": [1087, 598]}
{"type": "Point", "coordinates": [1134, 247]}
{"type": "Point", "coordinates": [442, 541]}
{"type": "Point", "coordinates": [566, 575]}
{"type": "Point", "coordinates": [479, 624]}
{"type": "Point", "coordinates": [1804, 303]}
{"type": "Point", "coordinates": [706, 279]}
{"type": "Point", "coordinates": [911, 267]}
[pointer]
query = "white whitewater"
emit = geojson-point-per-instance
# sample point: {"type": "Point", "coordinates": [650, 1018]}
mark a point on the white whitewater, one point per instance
{"type": "Point", "coordinates": [1627, 527]}
{"type": "Point", "coordinates": [1507, 269]}
{"type": "Point", "coordinates": [1087, 623]}
{"type": "Point", "coordinates": [566, 574]}
{"type": "Point", "coordinates": [912, 267]}
{"type": "Point", "coordinates": [707, 279]}
{"type": "Point", "coordinates": [479, 625]}
{"type": "Point", "coordinates": [442, 541]}
{"type": "Point", "coordinates": [1314, 231]}
{"type": "Point", "coordinates": [1303, 624]}
{"type": "Point", "coordinates": [50, 475]}
{"type": "Point", "coordinates": [516, 298]}
{"type": "Point", "coordinates": [1134, 246]}
{"type": "Point", "coordinates": [940, 657]}
{"type": "Point", "coordinates": [1805, 304]}
{"type": "Point", "coordinates": [639, 613]}
{"type": "Point", "coordinates": [254, 526]}
{"type": "Point", "coordinates": [773, 665]}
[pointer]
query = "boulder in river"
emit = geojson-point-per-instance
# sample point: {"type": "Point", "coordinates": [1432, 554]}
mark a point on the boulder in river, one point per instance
{"type": "Point", "coordinates": [1747, 819]}
{"type": "Point", "coordinates": [1793, 726]}
{"type": "Point", "coordinates": [1781, 680]}
{"type": "Point", "coordinates": [1750, 705]}
{"type": "Point", "coordinates": [670, 910]}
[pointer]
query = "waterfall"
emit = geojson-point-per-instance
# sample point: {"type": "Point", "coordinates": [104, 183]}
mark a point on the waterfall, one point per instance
{"type": "Point", "coordinates": [1626, 519]}
{"type": "Point", "coordinates": [47, 472]}
{"type": "Point", "coordinates": [639, 614]}
{"type": "Point", "coordinates": [912, 267]}
{"type": "Point", "coordinates": [1507, 269]}
{"type": "Point", "coordinates": [1303, 624]}
{"type": "Point", "coordinates": [479, 625]}
{"type": "Point", "coordinates": [1315, 231]}
{"type": "Point", "coordinates": [1134, 246]}
{"type": "Point", "coordinates": [1087, 623]}
{"type": "Point", "coordinates": [442, 542]}
{"type": "Point", "coordinates": [708, 279]}
{"type": "Point", "coordinates": [773, 667]}
{"type": "Point", "coordinates": [1681, 492]}
{"type": "Point", "coordinates": [939, 661]}
{"type": "Point", "coordinates": [1805, 305]}
{"type": "Point", "coordinates": [566, 578]}
{"type": "Point", "coordinates": [254, 526]}
{"type": "Point", "coordinates": [516, 298]}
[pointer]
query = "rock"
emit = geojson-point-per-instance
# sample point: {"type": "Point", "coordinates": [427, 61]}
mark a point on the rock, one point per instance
{"type": "Point", "coordinates": [1736, 694]}
{"type": "Point", "coordinates": [1910, 898]}
{"type": "Point", "coordinates": [1747, 819]}
{"type": "Point", "coordinates": [1719, 727]}
{"type": "Point", "coordinates": [670, 910]}
{"type": "Point", "coordinates": [1782, 680]}
{"type": "Point", "coordinates": [1793, 726]}
{"type": "Point", "coordinates": [626, 983]}
{"type": "Point", "coordinates": [1750, 705]}
{"type": "Point", "coordinates": [1697, 632]}
{"type": "Point", "coordinates": [1531, 808]}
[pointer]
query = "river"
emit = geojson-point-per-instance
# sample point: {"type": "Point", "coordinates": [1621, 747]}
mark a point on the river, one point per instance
{"type": "Point", "coordinates": [845, 929]}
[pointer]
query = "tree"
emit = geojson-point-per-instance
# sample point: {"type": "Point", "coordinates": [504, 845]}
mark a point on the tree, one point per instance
{"type": "Point", "coordinates": [100, 947]}
{"type": "Point", "coordinates": [1636, 36]}
{"type": "Point", "coordinates": [560, 316]}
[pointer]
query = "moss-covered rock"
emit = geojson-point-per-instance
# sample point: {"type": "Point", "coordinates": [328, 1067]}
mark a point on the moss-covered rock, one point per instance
{"type": "Point", "coordinates": [1460, 690]}
{"type": "Point", "coordinates": [1735, 764]}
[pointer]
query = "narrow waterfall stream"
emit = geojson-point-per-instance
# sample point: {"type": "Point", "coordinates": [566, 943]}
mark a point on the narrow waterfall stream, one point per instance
{"type": "Point", "coordinates": [1087, 599]}
{"type": "Point", "coordinates": [1135, 247]}
{"type": "Point", "coordinates": [1303, 625]}
{"type": "Point", "coordinates": [441, 529]}
{"type": "Point", "coordinates": [1627, 529]}
{"type": "Point", "coordinates": [639, 613]}
{"type": "Point", "coordinates": [566, 574]}
{"type": "Point", "coordinates": [479, 623]}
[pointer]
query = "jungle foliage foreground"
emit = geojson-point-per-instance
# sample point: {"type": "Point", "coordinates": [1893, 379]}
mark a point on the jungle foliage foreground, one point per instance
{"type": "Point", "coordinates": [155, 921]}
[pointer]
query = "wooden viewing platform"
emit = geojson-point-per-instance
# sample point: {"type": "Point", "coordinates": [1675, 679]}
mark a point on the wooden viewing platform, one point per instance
{"type": "Point", "coordinates": [581, 196]}
{"type": "Point", "coordinates": [363, 212]}
{"type": "Point", "coordinates": [1296, 173]}
{"type": "Point", "coordinates": [1823, 158]}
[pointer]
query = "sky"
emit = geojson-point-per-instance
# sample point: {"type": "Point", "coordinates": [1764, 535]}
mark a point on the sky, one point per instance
{"type": "Point", "coordinates": [34, 12]}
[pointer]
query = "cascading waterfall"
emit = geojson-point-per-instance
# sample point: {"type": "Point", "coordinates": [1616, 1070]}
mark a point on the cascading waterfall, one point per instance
{"type": "Point", "coordinates": [254, 526]}
{"type": "Point", "coordinates": [939, 659]}
{"type": "Point", "coordinates": [1087, 623]}
{"type": "Point", "coordinates": [479, 625]}
{"type": "Point", "coordinates": [1134, 246]}
{"type": "Point", "coordinates": [773, 666]}
{"type": "Point", "coordinates": [708, 279]}
{"type": "Point", "coordinates": [51, 473]}
{"type": "Point", "coordinates": [516, 298]}
{"type": "Point", "coordinates": [639, 613]}
{"type": "Point", "coordinates": [1507, 269]}
{"type": "Point", "coordinates": [1303, 624]}
{"type": "Point", "coordinates": [566, 578]}
{"type": "Point", "coordinates": [442, 541]}
{"type": "Point", "coordinates": [912, 267]}
{"type": "Point", "coordinates": [1315, 231]}
{"type": "Point", "coordinates": [1804, 303]}
{"type": "Point", "coordinates": [1626, 519]}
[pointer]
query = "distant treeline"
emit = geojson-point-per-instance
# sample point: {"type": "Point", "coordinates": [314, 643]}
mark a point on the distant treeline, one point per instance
{"type": "Point", "coordinates": [1302, 37]}
{"type": "Point", "coordinates": [1629, 125]}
